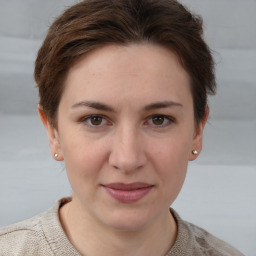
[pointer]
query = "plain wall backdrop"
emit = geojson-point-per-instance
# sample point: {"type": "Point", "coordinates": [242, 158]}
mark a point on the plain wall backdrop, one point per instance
{"type": "Point", "coordinates": [219, 193]}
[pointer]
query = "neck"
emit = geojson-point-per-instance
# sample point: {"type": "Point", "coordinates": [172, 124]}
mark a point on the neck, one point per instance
{"type": "Point", "coordinates": [90, 237]}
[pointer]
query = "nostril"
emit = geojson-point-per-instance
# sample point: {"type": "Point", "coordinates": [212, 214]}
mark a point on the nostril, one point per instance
{"type": "Point", "coordinates": [127, 164]}
{"type": "Point", "coordinates": [127, 153]}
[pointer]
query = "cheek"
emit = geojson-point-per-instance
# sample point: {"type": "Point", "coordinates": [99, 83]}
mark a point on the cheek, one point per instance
{"type": "Point", "coordinates": [172, 169]}
{"type": "Point", "coordinates": [172, 161]}
{"type": "Point", "coordinates": [83, 157]}
{"type": "Point", "coordinates": [170, 158]}
{"type": "Point", "coordinates": [174, 149]}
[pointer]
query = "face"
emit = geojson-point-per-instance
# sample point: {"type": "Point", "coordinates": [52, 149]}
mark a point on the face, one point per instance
{"type": "Point", "coordinates": [126, 132]}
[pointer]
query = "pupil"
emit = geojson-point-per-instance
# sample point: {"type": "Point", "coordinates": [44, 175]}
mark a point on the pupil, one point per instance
{"type": "Point", "coordinates": [96, 120]}
{"type": "Point", "coordinates": [158, 120]}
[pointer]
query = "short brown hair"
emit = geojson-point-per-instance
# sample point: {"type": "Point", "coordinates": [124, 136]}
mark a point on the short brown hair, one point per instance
{"type": "Point", "coordinates": [91, 24]}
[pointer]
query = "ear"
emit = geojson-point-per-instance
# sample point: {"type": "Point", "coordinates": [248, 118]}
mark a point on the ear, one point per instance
{"type": "Point", "coordinates": [198, 138]}
{"type": "Point", "coordinates": [53, 135]}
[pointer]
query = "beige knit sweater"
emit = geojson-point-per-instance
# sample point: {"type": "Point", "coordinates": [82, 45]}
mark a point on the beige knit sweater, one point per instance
{"type": "Point", "coordinates": [44, 236]}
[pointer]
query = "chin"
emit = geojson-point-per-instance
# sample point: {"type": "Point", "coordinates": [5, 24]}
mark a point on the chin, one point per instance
{"type": "Point", "coordinates": [128, 220]}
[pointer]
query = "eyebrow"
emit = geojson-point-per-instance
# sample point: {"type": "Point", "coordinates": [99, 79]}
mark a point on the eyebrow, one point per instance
{"type": "Point", "coordinates": [162, 104]}
{"type": "Point", "coordinates": [95, 105]}
{"type": "Point", "coordinates": [104, 107]}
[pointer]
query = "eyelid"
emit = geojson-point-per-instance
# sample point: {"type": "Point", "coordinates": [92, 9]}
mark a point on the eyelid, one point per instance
{"type": "Point", "coordinates": [84, 120]}
{"type": "Point", "coordinates": [169, 118]}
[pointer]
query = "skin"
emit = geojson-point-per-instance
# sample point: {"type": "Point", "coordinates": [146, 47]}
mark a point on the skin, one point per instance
{"type": "Point", "coordinates": [124, 144]}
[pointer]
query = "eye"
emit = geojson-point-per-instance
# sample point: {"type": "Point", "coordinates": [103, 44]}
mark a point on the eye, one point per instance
{"type": "Point", "coordinates": [95, 121]}
{"type": "Point", "coordinates": [160, 120]}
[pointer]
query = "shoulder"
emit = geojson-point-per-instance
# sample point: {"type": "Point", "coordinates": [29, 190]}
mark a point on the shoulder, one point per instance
{"type": "Point", "coordinates": [40, 235]}
{"type": "Point", "coordinates": [23, 238]}
{"type": "Point", "coordinates": [35, 236]}
{"type": "Point", "coordinates": [197, 241]}
{"type": "Point", "coordinates": [209, 243]}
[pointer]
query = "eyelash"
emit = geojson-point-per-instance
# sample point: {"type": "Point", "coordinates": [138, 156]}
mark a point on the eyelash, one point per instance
{"type": "Point", "coordinates": [88, 119]}
{"type": "Point", "coordinates": [167, 119]}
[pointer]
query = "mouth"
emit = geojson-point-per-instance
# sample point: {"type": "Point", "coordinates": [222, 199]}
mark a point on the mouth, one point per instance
{"type": "Point", "coordinates": [128, 193]}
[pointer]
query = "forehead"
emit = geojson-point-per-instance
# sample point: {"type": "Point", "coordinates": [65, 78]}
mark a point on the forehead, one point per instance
{"type": "Point", "coordinates": [134, 71]}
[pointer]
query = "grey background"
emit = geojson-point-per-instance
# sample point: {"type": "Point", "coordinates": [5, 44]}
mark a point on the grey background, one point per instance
{"type": "Point", "coordinates": [219, 192]}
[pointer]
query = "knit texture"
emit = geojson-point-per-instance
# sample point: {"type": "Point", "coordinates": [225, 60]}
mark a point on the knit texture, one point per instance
{"type": "Point", "coordinates": [43, 236]}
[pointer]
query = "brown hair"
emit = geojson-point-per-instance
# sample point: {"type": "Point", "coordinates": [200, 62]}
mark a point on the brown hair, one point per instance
{"type": "Point", "coordinates": [91, 24]}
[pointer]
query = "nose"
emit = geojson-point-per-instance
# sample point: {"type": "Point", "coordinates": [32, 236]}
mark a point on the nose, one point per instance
{"type": "Point", "coordinates": [127, 152]}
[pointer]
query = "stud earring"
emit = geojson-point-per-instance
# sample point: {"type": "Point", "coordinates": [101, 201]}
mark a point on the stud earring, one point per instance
{"type": "Point", "coordinates": [195, 152]}
{"type": "Point", "coordinates": [56, 155]}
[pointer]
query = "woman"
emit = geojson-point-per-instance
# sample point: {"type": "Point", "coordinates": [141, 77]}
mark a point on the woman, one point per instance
{"type": "Point", "coordinates": [123, 90]}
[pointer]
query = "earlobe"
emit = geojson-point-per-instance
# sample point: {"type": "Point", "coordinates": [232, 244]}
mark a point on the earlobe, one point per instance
{"type": "Point", "coordinates": [198, 138]}
{"type": "Point", "coordinates": [53, 136]}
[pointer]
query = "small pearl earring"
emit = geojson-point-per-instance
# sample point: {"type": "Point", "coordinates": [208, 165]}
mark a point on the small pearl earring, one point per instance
{"type": "Point", "coordinates": [56, 155]}
{"type": "Point", "coordinates": [195, 152]}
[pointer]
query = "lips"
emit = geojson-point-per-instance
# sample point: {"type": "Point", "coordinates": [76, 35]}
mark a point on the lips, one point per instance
{"type": "Point", "coordinates": [128, 193]}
